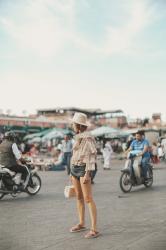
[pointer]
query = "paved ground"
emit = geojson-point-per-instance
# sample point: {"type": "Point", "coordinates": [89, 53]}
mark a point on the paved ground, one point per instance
{"type": "Point", "coordinates": [127, 221]}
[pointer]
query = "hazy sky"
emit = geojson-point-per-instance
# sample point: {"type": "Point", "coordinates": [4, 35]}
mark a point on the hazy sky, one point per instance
{"type": "Point", "coordinates": [104, 54]}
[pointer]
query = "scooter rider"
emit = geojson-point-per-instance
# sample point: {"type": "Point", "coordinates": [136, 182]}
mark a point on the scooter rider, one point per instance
{"type": "Point", "coordinates": [11, 157]}
{"type": "Point", "coordinates": [140, 147]}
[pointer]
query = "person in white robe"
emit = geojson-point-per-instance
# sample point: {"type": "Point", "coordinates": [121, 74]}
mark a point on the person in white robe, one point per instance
{"type": "Point", "coordinates": [107, 155]}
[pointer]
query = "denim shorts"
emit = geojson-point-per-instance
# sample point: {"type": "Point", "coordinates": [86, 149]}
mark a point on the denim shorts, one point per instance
{"type": "Point", "coordinates": [77, 171]}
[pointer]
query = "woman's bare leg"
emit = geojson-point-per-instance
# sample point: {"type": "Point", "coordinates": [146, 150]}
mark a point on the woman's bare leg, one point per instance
{"type": "Point", "coordinates": [87, 194]}
{"type": "Point", "coordinates": [80, 201]}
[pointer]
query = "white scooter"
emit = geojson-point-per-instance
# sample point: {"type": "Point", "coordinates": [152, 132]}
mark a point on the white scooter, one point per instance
{"type": "Point", "coordinates": [132, 174]}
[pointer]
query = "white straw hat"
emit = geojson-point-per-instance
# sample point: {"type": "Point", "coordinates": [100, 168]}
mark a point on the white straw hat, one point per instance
{"type": "Point", "coordinates": [80, 118]}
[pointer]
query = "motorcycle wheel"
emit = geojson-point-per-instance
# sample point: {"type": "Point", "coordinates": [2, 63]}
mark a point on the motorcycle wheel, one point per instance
{"type": "Point", "coordinates": [14, 195]}
{"type": "Point", "coordinates": [1, 194]}
{"type": "Point", "coordinates": [34, 185]}
{"type": "Point", "coordinates": [125, 182]}
{"type": "Point", "coordinates": [149, 182]}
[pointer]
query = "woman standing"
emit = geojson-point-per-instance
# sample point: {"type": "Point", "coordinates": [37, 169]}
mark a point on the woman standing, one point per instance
{"type": "Point", "coordinates": [82, 163]}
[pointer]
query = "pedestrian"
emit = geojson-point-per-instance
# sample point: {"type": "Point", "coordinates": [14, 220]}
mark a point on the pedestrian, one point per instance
{"type": "Point", "coordinates": [67, 146]}
{"type": "Point", "coordinates": [22, 147]}
{"type": "Point", "coordinates": [57, 163]}
{"type": "Point", "coordinates": [82, 163]}
{"type": "Point", "coordinates": [107, 155]}
{"type": "Point", "coordinates": [1, 137]}
{"type": "Point", "coordinates": [163, 144]}
{"type": "Point", "coordinates": [160, 152]}
{"type": "Point", "coordinates": [34, 150]}
{"type": "Point", "coordinates": [154, 153]}
{"type": "Point", "coordinates": [93, 174]}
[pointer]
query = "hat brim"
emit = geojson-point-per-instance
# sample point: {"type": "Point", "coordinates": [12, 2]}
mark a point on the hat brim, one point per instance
{"type": "Point", "coordinates": [84, 124]}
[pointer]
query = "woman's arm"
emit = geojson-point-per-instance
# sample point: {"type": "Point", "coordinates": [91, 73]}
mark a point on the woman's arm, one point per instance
{"type": "Point", "coordinates": [91, 154]}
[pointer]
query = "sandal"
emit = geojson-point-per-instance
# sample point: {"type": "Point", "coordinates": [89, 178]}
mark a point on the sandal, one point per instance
{"type": "Point", "coordinates": [92, 234]}
{"type": "Point", "coordinates": [77, 228]}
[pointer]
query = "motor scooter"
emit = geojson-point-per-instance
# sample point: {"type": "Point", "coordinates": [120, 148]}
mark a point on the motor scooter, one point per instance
{"type": "Point", "coordinates": [10, 182]}
{"type": "Point", "coordinates": [131, 174]}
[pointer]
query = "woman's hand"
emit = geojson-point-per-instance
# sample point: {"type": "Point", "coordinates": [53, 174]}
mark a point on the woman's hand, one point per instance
{"type": "Point", "coordinates": [86, 178]}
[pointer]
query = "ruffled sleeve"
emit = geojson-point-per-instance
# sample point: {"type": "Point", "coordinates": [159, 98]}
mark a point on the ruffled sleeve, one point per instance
{"type": "Point", "coordinates": [91, 154]}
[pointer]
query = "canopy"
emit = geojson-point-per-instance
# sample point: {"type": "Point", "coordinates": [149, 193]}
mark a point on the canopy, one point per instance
{"type": "Point", "coordinates": [108, 132]}
{"type": "Point", "coordinates": [56, 133]}
{"type": "Point", "coordinates": [119, 134]}
{"type": "Point", "coordinates": [35, 140]}
{"type": "Point", "coordinates": [131, 131]}
{"type": "Point", "coordinates": [103, 131]}
{"type": "Point", "coordinates": [39, 134]}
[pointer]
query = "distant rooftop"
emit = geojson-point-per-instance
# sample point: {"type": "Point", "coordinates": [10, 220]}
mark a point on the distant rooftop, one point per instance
{"type": "Point", "coordinates": [89, 112]}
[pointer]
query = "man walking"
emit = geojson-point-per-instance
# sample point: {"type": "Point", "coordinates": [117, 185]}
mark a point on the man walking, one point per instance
{"type": "Point", "coordinates": [67, 146]}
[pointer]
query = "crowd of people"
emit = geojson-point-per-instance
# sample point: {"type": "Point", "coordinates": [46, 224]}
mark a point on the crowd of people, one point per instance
{"type": "Point", "coordinates": [60, 154]}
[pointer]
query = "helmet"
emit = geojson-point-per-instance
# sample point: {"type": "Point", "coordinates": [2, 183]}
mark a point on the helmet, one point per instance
{"type": "Point", "coordinates": [10, 135]}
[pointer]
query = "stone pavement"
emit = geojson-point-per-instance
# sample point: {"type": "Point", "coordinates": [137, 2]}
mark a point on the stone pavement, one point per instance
{"type": "Point", "coordinates": [127, 221]}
